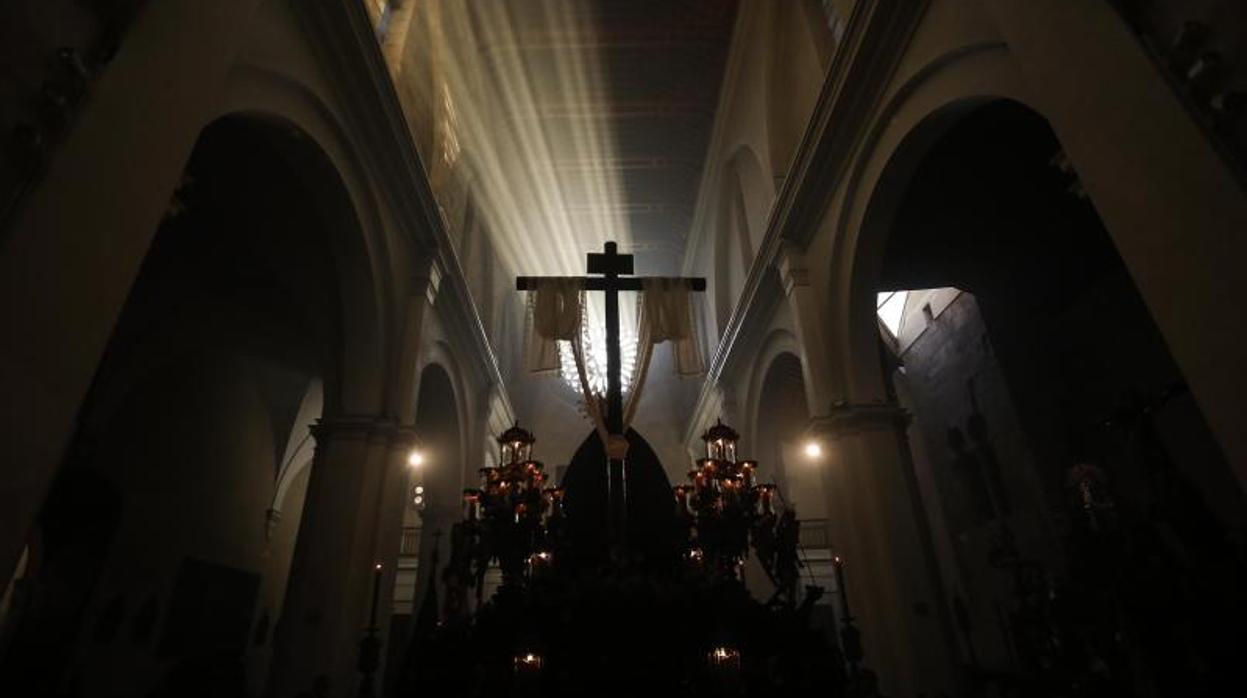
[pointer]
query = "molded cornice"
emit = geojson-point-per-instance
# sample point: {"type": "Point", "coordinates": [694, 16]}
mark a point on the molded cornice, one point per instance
{"type": "Point", "coordinates": [342, 34]}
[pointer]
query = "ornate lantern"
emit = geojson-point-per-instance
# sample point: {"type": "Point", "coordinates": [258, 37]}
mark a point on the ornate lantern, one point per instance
{"type": "Point", "coordinates": [515, 446]}
{"type": "Point", "coordinates": [721, 442]}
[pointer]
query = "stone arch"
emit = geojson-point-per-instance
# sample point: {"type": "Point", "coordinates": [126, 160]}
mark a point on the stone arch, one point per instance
{"type": "Point", "coordinates": [923, 107]}
{"type": "Point", "coordinates": [316, 138]}
{"type": "Point", "coordinates": [257, 283]}
{"type": "Point", "coordinates": [439, 430]}
{"type": "Point", "coordinates": [343, 205]}
{"type": "Point", "coordinates": [439, 433]}
{"type": "Point", "coordinates": [989, 70]}
{"type": "Point", "coordinates": [873, 235]}
{"type": "Point", "coordinates": [781, 417]}
{"type": "Point", "coordinates": [779, 341]}
{"type": "Point", "coordinates": [979, 195]}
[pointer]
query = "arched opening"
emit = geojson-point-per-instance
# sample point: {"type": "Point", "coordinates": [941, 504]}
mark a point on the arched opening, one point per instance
{"type": "Point", "coordinates": [434, 504]}
{"type": "Point", "coordinates": [780, 422]}
{"type": "Point", "coordinates": [1068, 477]}
{"type": "Point", "coordinates": [782, 417]}
{"type": "Point", "coordinates": [158, 543]}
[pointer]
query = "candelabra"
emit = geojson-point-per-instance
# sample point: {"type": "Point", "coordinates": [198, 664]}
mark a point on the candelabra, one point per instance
{"type": "Point", "coordinates": [723, 507]}
{"type": "Point", "coordinates": [513, 517]}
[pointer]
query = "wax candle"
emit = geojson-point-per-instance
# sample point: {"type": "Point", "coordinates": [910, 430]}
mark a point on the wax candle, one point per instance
{"type": "Point", "coordinates": [838, 565]}
{"type": "Point", "coordinates": [376, 594]}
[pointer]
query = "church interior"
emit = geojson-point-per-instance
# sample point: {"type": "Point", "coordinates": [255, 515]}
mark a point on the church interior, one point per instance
{"type": "Point", "coordinates": [847, 348]}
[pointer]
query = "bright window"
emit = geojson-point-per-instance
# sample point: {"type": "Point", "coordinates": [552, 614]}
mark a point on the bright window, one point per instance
{"type": "Point", "coordinates": [890, 306]}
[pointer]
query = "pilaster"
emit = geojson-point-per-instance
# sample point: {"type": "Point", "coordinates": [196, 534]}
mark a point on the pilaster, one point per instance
{"type": "Point", "coordinates": [879, 531]}
{"type": "Point", "coordinates": [352, 520]}
{"type": "Point", "coordinates": [810, 328]}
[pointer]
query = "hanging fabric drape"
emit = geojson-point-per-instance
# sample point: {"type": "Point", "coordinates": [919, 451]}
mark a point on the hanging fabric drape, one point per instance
{"type": "Point", "coordinates": [663, 315]}
{"type": "Point", "coordinates": [670, 318]}
{"type": "Point", "coordinates": [555, 312]}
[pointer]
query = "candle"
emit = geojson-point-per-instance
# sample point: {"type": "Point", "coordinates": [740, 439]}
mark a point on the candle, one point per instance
{"type": "Point", "coordinates": [681, 498]}
{"type": "Point", "coordinates": [746, 469]}
{"type": "Point", "coordinates": [528, 664]}
{"type": "Point", "coordinates": [838, 565]}
{"type": "Point", "coordinates": [768, 507]}
{"type": "Point", "coordinates": [376, 594]}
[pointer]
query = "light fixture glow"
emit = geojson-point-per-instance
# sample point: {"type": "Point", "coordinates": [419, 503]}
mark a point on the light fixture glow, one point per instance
{"type": "Point", "coordinates": [813, 450]}
{"type": "Point", "coordinates": [415, 459]}
{"type": "Point", "coordinates": [595, 360]}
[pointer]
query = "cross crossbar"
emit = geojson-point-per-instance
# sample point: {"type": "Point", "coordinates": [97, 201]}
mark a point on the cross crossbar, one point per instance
{"type": "Point", "coordinates": [529, 283]}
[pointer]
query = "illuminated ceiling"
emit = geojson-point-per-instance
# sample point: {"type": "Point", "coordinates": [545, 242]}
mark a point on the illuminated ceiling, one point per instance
{"type": "Point", "coordinates": [585, 120]}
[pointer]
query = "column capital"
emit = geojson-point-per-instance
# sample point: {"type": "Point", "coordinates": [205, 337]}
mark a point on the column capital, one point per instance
{"type": "Point", "coordinates": [363, 428]}
{"type": "Point", "coordinates": [793, 271]}
{"type": "Point", "coordinates": [846, 419]}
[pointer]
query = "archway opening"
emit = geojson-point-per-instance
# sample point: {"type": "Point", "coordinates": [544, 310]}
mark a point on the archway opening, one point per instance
{"type": "Point", "coordinates": [1060, 459]}
{"type": "Point", "coordinates": [780, 447]}
{"type": "Point", "coordinates": [182, 441]}
{"type": "Point", "coordinates": [434, 504]}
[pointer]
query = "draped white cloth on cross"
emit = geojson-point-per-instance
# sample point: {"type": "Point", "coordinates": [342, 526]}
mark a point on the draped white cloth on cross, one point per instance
{"type": "Point", "coordinates": [557, 313]}
{"type": "Point", "coordinates": [664, 314]}
{"type": "Point", "coordinates": [669, 318]}
{"type": "Point", "coordinates": [555, 310]}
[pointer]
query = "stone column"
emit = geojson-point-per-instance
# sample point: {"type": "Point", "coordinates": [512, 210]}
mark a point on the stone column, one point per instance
{"type": "Point", "coordinates": [352, 520]}
{"type": "Point", "coordinates": [879, 532]}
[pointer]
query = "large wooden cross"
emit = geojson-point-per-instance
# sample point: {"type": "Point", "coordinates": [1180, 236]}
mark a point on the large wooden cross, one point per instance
{"type": "Point", "coordinates": [611, 266]}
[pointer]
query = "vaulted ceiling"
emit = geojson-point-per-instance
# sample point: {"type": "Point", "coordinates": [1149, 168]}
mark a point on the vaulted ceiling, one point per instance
{"type": "Point", "coordinates": [619, 97]}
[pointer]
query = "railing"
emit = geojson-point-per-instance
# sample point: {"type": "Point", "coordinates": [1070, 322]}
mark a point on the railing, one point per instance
{"type": "Point", "coordinates": [816, 557]}
{"type": "Point", "coordinates": [1200, 46]}
{"type": "Point", "coordinates": [410, 545]}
